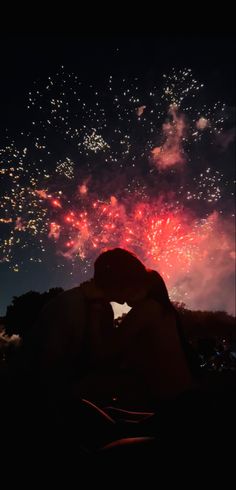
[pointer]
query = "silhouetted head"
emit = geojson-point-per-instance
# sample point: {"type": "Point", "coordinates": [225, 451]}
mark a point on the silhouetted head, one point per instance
{"type": "Point", "coordinates": [124, 278]}
{"type": "Point", "coordinates": [121, 275]}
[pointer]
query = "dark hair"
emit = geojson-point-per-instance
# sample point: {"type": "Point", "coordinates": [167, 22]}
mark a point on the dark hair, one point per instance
{"type": "Point", "coordinates": [158, 290]}
{"type": "Point", "coordinates": [118, 268]}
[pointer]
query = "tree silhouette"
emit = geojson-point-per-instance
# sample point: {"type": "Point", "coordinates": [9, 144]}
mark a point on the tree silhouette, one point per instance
{"type": "Point", "coordinates": [23, 311]}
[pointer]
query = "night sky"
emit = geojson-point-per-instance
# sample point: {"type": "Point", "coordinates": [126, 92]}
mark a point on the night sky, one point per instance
{"type": "Point", "coordinates": [118, 141]}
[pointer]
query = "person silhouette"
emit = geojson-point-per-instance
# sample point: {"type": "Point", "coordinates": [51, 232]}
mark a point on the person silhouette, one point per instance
{"type": "Point", "coordinates": [60, 348]}
{"type": "Point", "coordinates": [147, 349]}
{"type": "Point", "coordinates": [140, 363]}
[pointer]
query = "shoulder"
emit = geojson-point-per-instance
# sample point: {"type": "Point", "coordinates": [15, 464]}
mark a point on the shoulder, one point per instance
{"type": "Point", "coordinates": [65, 302]}
{"type": "Point", "coordinates": [71, 295]}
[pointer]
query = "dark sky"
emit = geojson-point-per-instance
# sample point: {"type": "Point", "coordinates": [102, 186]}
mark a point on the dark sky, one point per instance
{"type": "Point", "coordinates": [25, 58]}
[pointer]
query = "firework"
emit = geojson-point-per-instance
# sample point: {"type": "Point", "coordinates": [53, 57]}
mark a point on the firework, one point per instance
{"type": "Point", "coordinates": [110, 167]}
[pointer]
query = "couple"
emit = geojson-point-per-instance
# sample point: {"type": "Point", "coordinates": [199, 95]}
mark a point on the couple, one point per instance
{"type": "Point", "coordinates": [141, 363]}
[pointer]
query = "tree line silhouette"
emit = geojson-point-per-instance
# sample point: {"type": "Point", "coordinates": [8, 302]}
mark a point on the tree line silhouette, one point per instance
{"type": "Point", "coordinates": [211, 333]}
